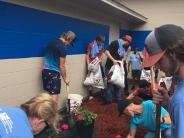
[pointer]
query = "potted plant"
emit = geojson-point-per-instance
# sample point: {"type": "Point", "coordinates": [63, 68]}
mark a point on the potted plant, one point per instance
{"type": "Point", "coordinates": [84, 121]}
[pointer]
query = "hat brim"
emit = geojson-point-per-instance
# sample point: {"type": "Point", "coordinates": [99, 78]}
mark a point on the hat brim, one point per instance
{"type": "Point", "coordinates": [152, 60]}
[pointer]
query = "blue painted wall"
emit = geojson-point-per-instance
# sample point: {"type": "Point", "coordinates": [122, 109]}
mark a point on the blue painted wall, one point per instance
{"type": "Point", "coordinates": [138, 38]}
{"type": "Point", "coordinates": [25, 32]}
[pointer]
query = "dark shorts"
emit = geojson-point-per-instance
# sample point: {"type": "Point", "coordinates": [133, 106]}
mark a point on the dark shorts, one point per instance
{"type": "Point", "coordinates": [51, 81]}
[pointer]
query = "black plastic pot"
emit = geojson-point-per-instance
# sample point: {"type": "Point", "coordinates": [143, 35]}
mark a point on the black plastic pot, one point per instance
{"type": "Point", "coordinates": [85, 131]}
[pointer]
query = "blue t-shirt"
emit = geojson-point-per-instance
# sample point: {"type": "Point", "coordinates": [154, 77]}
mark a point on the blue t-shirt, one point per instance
{"type": "Point", "coordinates": [135, 59]}
{"type": "Point", "coordinates": [14, 123]}
{"type": "Point", "coordinates": [176, 111]}
{"type": "Point", "coordinates": [54, 51]}
{"type": "Point", "coordinates": [147, 118]}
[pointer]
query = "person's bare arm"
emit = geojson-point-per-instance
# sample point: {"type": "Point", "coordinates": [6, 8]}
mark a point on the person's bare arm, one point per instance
{"type": "Point", "coordinates": [107, 53]}
{"type": "Point", "coordinates": [166, 119]}
{"type": "Point", "coordinates": [87, 56]}
{"type": "Point", "coordinates": [131, 96]}
{"type": "Point", "coordinates": [132, 133]}
{"type": "Point", "coordinates": [63, 69]}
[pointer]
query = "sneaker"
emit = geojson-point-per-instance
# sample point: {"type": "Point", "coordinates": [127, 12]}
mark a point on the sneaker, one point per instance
{"type": "Point", "coordinates": [91, 97]}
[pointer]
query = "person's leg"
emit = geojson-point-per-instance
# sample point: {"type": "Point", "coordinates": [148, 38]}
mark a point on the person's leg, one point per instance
{"type": "Point", "coordinates": [108, 94]}
{"type": "Point", "coordinates": [103, 76]}
{"type": "Point", "coordinates": [117, 93]}
{"type": "Point", "coordinates": [133, 75]}
{"type": "Point", "coordinates": [90, 93]}
{"type": "Point", "coordinates": [139, 75]}
{"type": "Point", "coordinates": [134, 79]}
{"type": "Point", "coordinates": [126, 79]}
{"type": "Point", "coordinates": [167, 133]}
{"type": "Point", "coordinates": [55, 97]}
{"type": "Point", "coordinates": [52, 83]}
{"type": "Point", "coordinates": [150, 135]}
{"type": "Point", "coordinates": [136, 75]}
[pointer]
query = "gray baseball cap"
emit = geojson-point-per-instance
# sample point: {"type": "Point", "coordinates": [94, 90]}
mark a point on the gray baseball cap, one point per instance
{"type": "Point", "coordinates": [159, 40]}
{"type": "Point", "coordinates": [70, 35]}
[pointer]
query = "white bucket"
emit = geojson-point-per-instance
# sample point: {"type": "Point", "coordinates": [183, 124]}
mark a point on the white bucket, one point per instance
{"type": "Point", "coordinates": [75, 100]}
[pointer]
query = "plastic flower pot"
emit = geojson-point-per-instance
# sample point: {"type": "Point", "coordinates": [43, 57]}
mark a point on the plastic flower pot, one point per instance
{"type": "Point", "coordinates": [85, 131]}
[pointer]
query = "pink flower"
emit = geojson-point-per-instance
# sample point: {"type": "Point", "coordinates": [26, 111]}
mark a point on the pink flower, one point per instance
{"type": "Point", "coordinates": [80, 117]}
{"type": "Point", "coordinates": [74, 102]}
{"type": "Point", "coordinates": [118, 136]}
{"type": "Point", "coordinates": [73, 110]}
{"type": "Point", "coordinates": [64, 126]}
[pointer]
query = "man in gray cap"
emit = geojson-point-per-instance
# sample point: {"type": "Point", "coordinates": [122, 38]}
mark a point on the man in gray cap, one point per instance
{"type": "Point", "coordinates": [54, 64]}
{"type": "Point", "coordinates": [165, 48]}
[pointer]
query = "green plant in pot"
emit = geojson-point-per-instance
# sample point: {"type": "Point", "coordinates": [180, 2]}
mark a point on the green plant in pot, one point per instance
{"type": "Point", "coordinates": [84, 121]}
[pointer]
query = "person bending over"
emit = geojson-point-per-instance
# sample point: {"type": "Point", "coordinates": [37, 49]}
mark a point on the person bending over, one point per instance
{"type": "Point", "coordinates": [55, 65]}
{"type": "Point", "coordinates": [143, 91]}
{"type": "Point", "coordinates": [95, 49]}
{"type": "Point", "coordinates": [143, 115]}
{"type": "Point", "coordinates": [29, 120]}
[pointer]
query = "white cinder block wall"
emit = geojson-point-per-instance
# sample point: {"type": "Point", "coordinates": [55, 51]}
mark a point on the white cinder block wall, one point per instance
{"type": "Point", "coordinates": [20, 79]}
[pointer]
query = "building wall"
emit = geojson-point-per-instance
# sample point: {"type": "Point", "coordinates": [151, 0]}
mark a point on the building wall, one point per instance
{"type": "Point", "coordinates": [20, 74]}
{"type": "Point", "coordinates": [158, 12]}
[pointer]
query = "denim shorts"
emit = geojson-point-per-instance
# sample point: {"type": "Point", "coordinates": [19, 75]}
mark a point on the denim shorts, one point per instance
{"type": "Point", "coordinates": [51, 81]}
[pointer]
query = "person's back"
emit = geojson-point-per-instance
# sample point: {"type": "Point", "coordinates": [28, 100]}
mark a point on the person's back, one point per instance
{"type": "Point", "coordinates": [54, 51]}
{"type": "Point", "coordinates": [147, 118]}
{"type": "Point", "coordinates": [14, 123]}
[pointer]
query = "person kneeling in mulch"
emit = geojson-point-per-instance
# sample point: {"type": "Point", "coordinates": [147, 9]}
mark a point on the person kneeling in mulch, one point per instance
{"type": "Point", "coordinates": [143, 91]}
{"type": "Point", "coordinates": [143, 115]}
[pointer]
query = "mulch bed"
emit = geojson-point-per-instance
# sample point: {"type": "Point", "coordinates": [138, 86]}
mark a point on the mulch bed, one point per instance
{"type": "Point", "coordinates": [108, 124]}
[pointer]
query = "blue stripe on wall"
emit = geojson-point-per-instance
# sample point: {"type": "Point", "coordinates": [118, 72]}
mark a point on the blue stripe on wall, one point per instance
{"type": "Point", "coordinates": [25, 32]}
{"type": "Point", "coordinates": [138, 37]}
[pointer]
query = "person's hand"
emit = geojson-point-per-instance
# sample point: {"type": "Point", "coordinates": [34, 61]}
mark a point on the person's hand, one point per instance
{"type": "Point", "coordinates": [115, 62]}
{"type": "Point", "coordinates": [160, 95]}
{"type": "Point", "coordinates": [67, 82]}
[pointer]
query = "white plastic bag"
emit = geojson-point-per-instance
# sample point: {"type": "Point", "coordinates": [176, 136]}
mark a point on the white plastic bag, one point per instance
{"type": "Point", "coordinates": [167, 81]}
{"type": "Point", "coordinates": [95, 79]}
{"type": "Point", "coordinates": [145, 75]}
{"type": "Point", "coordinates": [116, 75]}
{"type": "Point", "coordinates": [75, 100]}
{"type": "Point", "coordinates": [93, 65]}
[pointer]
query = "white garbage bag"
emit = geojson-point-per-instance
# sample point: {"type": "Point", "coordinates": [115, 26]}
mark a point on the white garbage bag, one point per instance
{"type": "Point", "coordinates": [167, 81]}
{"type": "Point", "coordinates": [93, 65]}
{"type": "Point", "coordinates": [146, 75]}
{"type": "Point", "coordinates": [95, 79]}
{"type": "Point", "coordinates": [116, 75]}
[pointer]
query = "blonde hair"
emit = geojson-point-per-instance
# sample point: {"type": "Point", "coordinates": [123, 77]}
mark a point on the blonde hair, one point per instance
{"type": "Point", "coordinates": [41, 107]}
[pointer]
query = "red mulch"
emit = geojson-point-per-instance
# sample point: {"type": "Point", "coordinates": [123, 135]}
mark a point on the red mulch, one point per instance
{"type": "Point", "coordinates": [108, 124]}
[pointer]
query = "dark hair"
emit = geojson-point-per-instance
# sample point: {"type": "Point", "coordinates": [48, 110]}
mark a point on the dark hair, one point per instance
{"type": "Point", "coordinates": [100, 38]}
{"type": "Point", "coordinates": [178, 50]}
{"type": "Point", "coordinates": [122, 104]}
{"type": "Point", "coordinates": [144, 84]}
